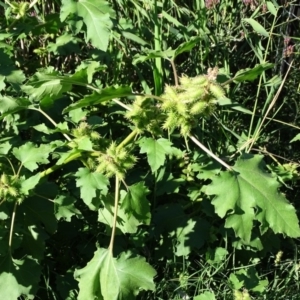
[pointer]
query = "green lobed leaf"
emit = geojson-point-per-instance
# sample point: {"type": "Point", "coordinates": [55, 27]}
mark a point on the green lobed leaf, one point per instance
{"type": "Point", "coordinates": [125, 222]}
{"type": "Point", "coordinates": [29, 183]}
{"type": "Point", "coordinates": [89, 183]}
{"type": "Point", "coordinates": [44, 88]}
{"type": "Point", "coordinates": [90, 68]}
{"type": "Point", "coordinates": [249, 188]}
{"type": "Point", "coordinates": [135, 202]}
{"type": "Point", "coordinates": [30, 155]}
{"type": "Point", "coordinates": [109, 278]}
{"type": "Point", "coordinates": [156, 151]}
{"type": "Point", "coordinates": [10, 105]}
{"type": "Point", "coordinates": [64, 208]}
{"type": "Point", "coordinates": [96, 15]}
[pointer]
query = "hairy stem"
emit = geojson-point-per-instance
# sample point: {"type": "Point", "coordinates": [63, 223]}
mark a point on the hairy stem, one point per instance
{"type": "Point", "coordinates": [114, 225]}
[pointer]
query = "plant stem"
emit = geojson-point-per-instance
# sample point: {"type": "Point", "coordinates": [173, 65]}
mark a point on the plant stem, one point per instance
{"type": "Point", "coordinates": [210, 153]}
{"type": "Point", "coordinates": [12, 227]}
{"type": "Point", "coordinates": [56, 167]}
{"type": "Point", "coordinates": [128, 139]}
{"type": "Point", "coordinates": [114, 225]}
{"type": "Point", "coordinates": [174, 72]}
{"type": "Point", "coordinates": [51, 120]}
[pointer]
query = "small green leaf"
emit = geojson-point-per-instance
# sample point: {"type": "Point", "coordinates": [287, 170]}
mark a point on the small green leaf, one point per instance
{"type": "Point", "coordinates": [251, 74]}
{"type": "Point", "coordinates": [30, 183]}
{"type": "Point", "coordinates": [30, 155]}
{"type": "Point", "coordinates": [257, 27]}
{"type": "Point", "coordinates": [296, 138]}
{"type": "Point", "coordinates": [271, 8]}
{"type": "Point", "coordinates": [64, 208]}
{"type": "Point", "coordinates": [151, 54]}
{"type": "Point", "coordinates": [205, 296]}
{"type": "Point", "coordinates": [65, 44]}
{"type": "Point", "coordinates": [156, 151]}
{"type": "Point", "coordinates": [4, 148]}
{"type": "Point", "coordinates": [89, 183]}
{"type": "Point", "coordinates": [187, 46]}
{"type": "Point", "coordinates": [133, 37]}
{"type": "Point", "coordinates": [135, 202]}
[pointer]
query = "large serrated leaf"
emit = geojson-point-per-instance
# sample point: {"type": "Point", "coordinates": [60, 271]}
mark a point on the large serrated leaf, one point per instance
{"type": "Point", "coordinates": [96, 15]}
{"type": "Point", "coordinates": [108, 278]}
{"type": "Point", "coordinates": [10, 105]}
{"type": "Point", "coordinates": [251, 189]}
{"type": "Point", "coordinates": [30, 155]}
{"type": "Point", "coordinates": [156, 151]}
{"type": "Point", "coordinates": [105, 95]}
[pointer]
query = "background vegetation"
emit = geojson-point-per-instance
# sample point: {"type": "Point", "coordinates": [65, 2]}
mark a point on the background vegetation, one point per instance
{"type": "Point", "coordinates": [149, 150]}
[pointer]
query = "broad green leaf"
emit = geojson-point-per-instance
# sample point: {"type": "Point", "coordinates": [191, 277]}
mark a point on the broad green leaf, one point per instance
{"type": "Point", "coordinates": [151, 54]}
{"type": "Point", "coordinates": [89, 183]}
{"type": "Point", "coordinates": [30, 155]}
{"type": "Point", "coordinates": [249, 279]}
{"type": "Point", "coordinates": [65, 44]}
{"type": "Point", "coordinates": [46, 90]}
{"type": "Point", "coordinates": [60, 127]}
{"type": "Point", "coordinates": [295, 138]}
{"type": "Point", "coordinates": [205, 296]}
{"type": "Point", "coordinates": [64, 208]}
{"type": "Point", "coordinates": [156, 151]}
{"type": "Point", "coordinates": [187, 46]}
{"type": "Point", "coordinates": [77, 115]}
{"type": "Point", "coordinates": [251, 74]}
{"type": "Point", "coordinates": [256, 26]}
{"type": "Point", "coordinates": [38, 210]}
{"type": "Point", "coordinates": [133, 37]}
{"type": "Point", "coordinates": [216, 255]}
{"type": "Point", "coordinates": [271, 8]}
{"type": "Point", "coordinates": [248, 190]}
{"type": "Point", "coordinates": [97, 98]}
{"type": "Point", "coordinates": [135, 202]}
{"type": "Point", "coordinates": [29, 183]}
{"type": "Point", "coordinates": [166, 183]}
{"type": "Point", "coordinates": [190, 234]}
{"type": "Point", "coordinates": [84, 143]}
{"type": "Point", "coordinates": [125, 222]}
{"type": "Point", "coordinates": [10, 105]}
{"type": "Point", "coordinates": [96, 15]}
{"type": "Point", "coordinates": [90, 68]}
{"type": "Point", "coordinates": [4, 148]}
{"type": "Point", "coordinates": [18, 277]}
{"type": "Point", "coordinates": [109, 278]}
